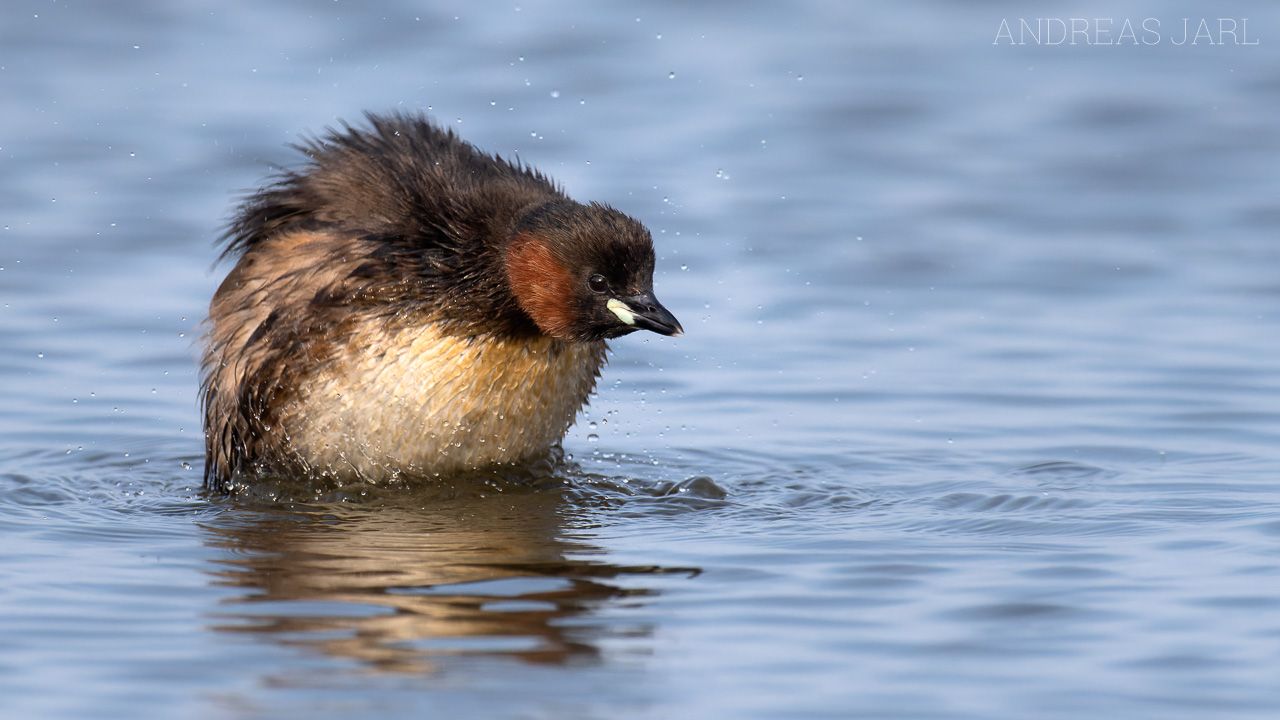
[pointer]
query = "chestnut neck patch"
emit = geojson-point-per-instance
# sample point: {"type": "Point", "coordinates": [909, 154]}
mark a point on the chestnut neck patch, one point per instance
{"type": "Point", "coordinates": [542, 285]}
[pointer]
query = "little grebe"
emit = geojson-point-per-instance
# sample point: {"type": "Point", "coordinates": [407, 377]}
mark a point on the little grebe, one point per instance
{"type": "Point", "coordinates": [408, 305]}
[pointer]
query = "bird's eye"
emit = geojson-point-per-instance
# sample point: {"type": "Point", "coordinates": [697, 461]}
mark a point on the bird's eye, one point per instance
{"type": "Point", "coordinates": [597, 283]}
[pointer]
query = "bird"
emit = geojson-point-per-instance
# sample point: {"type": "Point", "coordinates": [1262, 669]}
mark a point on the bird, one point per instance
{"type": "Point", "coordinates": [406, 306]}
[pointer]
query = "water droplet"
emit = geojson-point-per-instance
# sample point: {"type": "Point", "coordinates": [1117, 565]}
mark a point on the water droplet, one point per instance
{"type": "Point", "coordinates": [671, 75]}
{"type": "Point", "coordinates": [555, 93]}
{"type": "Point", "coordinates": [593, 438]}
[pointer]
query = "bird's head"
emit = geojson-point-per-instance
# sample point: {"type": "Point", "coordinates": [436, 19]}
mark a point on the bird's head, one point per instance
{"type": "Point", "coordinates": [585, 272]}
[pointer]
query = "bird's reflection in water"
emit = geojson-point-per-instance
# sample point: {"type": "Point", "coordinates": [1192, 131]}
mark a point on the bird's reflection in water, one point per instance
{"type": "Point", "coordinates": [404, 579]}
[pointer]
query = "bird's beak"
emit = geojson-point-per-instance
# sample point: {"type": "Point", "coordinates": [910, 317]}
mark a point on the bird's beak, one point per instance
{"type": "Point", "coordinates": [643, 312]}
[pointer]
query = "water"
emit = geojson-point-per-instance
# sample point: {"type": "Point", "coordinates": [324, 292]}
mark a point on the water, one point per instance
{"type": "Point", "coordinates": [975, 417]}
